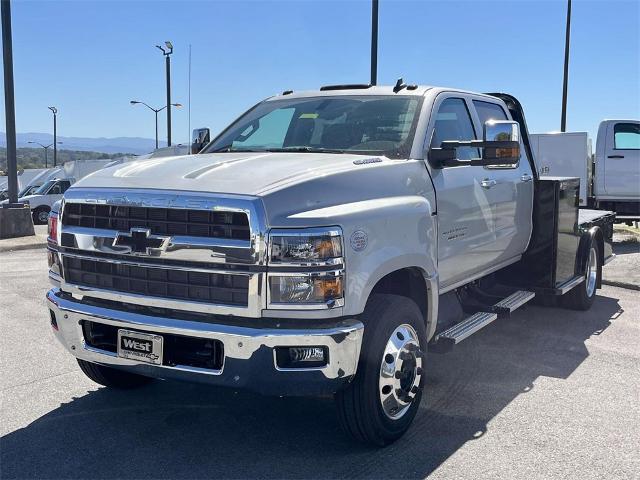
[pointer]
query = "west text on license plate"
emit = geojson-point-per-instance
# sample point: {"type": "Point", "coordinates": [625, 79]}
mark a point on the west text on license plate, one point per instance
{"type": "Point", "coordinates": [144, 347]}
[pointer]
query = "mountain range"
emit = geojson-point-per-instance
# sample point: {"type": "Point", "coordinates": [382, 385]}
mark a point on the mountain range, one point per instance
{"type": "Point", "coordinates": [136, 145]}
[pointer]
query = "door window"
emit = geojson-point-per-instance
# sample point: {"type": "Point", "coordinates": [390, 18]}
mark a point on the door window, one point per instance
{"type": "Point", "coordinates": [626, 136]}
{"type": "Point", "coordinates": [491, 111]}
{"type": "Point", "coordinates": [55, 190]}
{"type": "Point", "coordinates": [453, 122]}
{"type": "Point", "coordinates": [59, 188]}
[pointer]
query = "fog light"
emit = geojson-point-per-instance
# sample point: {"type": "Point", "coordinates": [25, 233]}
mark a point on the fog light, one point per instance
{"type": "Point", "coordinates": [54, 322]}
{"type": "Point", "coordinates": [301, 357]}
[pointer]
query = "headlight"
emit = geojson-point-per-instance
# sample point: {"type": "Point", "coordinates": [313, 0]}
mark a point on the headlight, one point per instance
{"type": "Point", "coordinates": [310, 246]}
{"type": "Point", "coordinates": [299, 273]}
{"type": "Point", "coordinates": [318, 288]}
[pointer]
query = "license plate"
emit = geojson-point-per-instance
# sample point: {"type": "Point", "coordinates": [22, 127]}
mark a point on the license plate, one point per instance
{"type": "Point", "coordinates": [144, 347]}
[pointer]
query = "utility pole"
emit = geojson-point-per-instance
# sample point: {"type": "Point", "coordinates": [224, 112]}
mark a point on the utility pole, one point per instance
{"type": "Point", "coordinates": [563, 120]}
{"type": "Point", "coordinates": [9, 102]}
{"type": "Point", "coordinates": [374, 42]}
{"type": "Point", "coordinates": [167, 58]}
{"type": "Point", "coordinates": [55, 136]}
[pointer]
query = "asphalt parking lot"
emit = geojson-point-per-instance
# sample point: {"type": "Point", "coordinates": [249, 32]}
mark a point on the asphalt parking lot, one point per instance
{"type": "Point", "coordinates": [547, 394]}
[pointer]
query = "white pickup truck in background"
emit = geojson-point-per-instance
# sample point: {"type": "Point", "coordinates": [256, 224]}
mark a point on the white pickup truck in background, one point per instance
{"type": "Point", "coordinates": [610, 178]}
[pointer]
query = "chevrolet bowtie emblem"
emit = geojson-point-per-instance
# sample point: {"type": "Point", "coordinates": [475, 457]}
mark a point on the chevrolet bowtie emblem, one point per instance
{"type": "Point", "coordinates": [141, 242]}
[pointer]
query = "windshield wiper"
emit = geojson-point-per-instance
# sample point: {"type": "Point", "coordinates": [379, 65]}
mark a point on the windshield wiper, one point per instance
{"type": "Point", "coordinates": [305, 150]}
{"type": "Point", "coordinates": [229, 148]}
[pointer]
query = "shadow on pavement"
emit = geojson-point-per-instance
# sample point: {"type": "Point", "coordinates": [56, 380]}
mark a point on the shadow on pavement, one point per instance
{"type": "Point", "coordinates": [626, 248]}
{"type": "Point", "coordinates": [176, 430]}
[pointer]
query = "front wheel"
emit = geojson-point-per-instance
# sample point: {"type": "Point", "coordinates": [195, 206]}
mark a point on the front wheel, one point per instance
{"type": "Point", "coordinates": [383, 399]}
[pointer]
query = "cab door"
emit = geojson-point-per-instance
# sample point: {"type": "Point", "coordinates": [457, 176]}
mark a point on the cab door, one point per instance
{"type": "Point", "coordinates": [511, 192]}
{"type": "Point", "coordinates": [622, 160]}
{"type": "Point", "coordinates": [466, 222]}
{"type": "Point", "coordinates": [56, 191]}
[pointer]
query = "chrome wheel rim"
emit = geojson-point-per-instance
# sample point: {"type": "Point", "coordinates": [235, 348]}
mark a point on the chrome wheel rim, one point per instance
{"type": "Point", "coordinates": [400, 371]}
{"type": "Point", "coordinates": [592, 272]}
{"type": "Point", "coordinates": [43, 216]}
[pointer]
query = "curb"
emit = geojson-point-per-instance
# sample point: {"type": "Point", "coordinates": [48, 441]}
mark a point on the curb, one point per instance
{"type": "Point", "coordinates": [28, 246]}
{"type": "Point", "coordinates": [628, 286]}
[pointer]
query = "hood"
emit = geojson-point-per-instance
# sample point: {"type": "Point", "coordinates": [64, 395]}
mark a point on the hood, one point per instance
{"type": "Point", "coordinates": [253, 174]}
{"type": "Point", "coordinates": [21, 199]}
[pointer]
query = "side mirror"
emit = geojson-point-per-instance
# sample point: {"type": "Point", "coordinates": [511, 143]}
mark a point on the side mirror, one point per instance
{"type": "Point", "coordinates": [501, 142]}
{"type": "Point", "coordinates": [200, 137]}
{"type": "Point", "coordinates": [500, 147]}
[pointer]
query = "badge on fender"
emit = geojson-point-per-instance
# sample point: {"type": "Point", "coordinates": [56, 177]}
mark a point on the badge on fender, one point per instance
{"type": "Point", "coordinates": [359, 240]}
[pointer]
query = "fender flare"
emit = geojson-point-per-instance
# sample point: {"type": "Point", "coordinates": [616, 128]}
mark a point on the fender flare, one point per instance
{"type": "Point", "coordinates": [431, 280]}
{"type": "Point", "coordinates": [592, 236]}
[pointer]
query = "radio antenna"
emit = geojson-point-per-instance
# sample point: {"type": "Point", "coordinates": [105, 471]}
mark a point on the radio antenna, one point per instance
{"type": "Point", "coordinates": [189, 100]}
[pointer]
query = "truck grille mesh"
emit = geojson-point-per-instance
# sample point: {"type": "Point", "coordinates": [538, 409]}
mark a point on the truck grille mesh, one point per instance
{"type": "Point", "coordinates": [161, 221]}
{"type": "Point", "coordinates": [158, 282]}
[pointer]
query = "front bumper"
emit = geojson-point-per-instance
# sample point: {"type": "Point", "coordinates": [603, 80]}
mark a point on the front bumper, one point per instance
{"type": "Point", "coordinates": [249, 352]}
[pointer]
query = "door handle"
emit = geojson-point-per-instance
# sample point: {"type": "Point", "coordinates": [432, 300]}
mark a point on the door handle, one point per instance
{"type": "Point", "coordinates": [487, 183]}
{"type": "Point", "coordinates": [526, 177]}
{"type": "Point", "coordinates": [615, 156]}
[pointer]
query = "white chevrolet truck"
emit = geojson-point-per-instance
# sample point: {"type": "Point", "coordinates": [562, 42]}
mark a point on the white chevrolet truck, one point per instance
{"type": "Point", "coordinates": [322, 244]}
{"type": "Point", "coordinates": [610, 179]}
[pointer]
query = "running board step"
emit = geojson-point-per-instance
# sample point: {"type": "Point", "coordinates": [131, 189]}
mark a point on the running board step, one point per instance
{"type": "Point", "coordinates": [512, 302]}
{"type": "Point", "coordinates": [454, 335]}
{"type": "Point", "coordinates": [449, 338]}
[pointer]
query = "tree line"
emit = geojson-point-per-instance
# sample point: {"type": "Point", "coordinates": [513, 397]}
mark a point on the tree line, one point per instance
{"type": "Point", "coordinates": [35, 158]}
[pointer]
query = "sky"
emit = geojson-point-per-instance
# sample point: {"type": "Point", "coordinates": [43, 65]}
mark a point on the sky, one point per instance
{"type": "Point", "coordinates": [90, 58]}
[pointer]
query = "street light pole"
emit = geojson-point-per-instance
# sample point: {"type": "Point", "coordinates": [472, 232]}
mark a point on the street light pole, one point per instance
{"type": "Point", "coordinates": [167, 58]}
{"type": "Point", "coordinates": [374, 42]}
{"type": "Point", "coordinates": [9, 102]}
{"type": "Point", "coordinates": [46, 150]}
{"type": "Point", "coordinates": [155, 110]}
{"type": "Point", "coordinates": [563, 119]}
{"type": "Point", "coordinates": [55, 136]}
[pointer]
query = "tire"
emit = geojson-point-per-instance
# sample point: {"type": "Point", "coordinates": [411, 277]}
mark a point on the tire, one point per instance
{"type": "Point", "coordinates": [41, 215]}
{"type": "Point", "coordinates": [111, 377]}
{"type": "Point", "coordinates": [582, 296]}
{"type": "Point", "coordinates": [360, 408]}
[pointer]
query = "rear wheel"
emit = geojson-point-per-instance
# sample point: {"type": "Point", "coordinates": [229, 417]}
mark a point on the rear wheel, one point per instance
{"type": "Point", "coordinates": [111, 377]}
{"type": "Point", "coordinates": [383, 399]}
{"type": "Point", "coordinates": [583, 295]}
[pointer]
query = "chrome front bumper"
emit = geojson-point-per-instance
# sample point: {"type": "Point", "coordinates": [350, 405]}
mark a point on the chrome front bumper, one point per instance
{"type": "Point", "coordinates": [249, 352]}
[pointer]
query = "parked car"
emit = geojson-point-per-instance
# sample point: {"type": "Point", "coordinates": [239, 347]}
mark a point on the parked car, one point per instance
{"type": "Point", "coordinates": [610, 179]}
{"type": "Point", "coordinates": [42, 199]}
{"type": "Point", "coordinates": [308, 248]}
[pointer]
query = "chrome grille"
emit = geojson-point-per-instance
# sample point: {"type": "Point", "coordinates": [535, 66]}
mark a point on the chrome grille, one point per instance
{"type": "Point", "coordinates": [158, 282]}
{"type": "Point", "coordinates": [161, 221]}
{"type": "Point", "coordinates": [212, 261]}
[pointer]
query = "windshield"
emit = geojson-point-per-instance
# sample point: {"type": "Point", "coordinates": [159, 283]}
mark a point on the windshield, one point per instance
{"type": "Point", "coordinates": [43, 189]}
{"type": "Point", "coordinates": [28, 190]}
{"type": "Point", "coordinates": [371, 125]}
